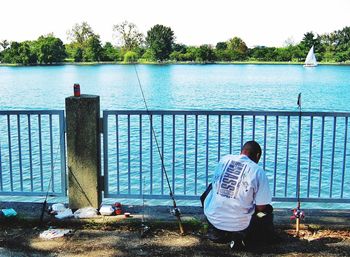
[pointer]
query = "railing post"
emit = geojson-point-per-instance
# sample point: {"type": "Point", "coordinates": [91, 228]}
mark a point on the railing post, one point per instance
{"type": "Point", "coordinates": [83, 151]}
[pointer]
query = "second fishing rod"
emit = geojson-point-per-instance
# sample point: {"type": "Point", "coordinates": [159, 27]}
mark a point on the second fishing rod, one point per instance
{"type": "Point", "coordinates": [176, 210]}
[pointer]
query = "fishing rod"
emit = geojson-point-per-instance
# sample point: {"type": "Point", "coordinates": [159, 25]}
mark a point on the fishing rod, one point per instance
{"type": "Point", "coordinates": [298, 214]}
{"type": "Point", "coordinates": [45, 203]}
{"type": "Point", "coordinates": [176, 211]}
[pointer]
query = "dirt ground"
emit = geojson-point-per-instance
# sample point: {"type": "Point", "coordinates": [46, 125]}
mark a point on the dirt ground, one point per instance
{"type": "Point", "coordinates": [164, 242]}
{"type": "Point", "coordinates": [324, 233]}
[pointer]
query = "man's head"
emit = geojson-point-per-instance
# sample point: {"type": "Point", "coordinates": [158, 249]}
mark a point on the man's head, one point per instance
{"type": "Point", "coordinates": [253, 150]}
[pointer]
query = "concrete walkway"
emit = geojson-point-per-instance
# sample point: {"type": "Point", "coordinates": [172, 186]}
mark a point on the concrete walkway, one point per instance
{"type": "Point", "coordinates": [336, 219]}
{"type": "Point", "coordinates": [323, 233]}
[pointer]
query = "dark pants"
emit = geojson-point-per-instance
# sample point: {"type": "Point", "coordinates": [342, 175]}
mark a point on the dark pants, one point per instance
{"type": "Point", "coordinates": [259, 232]}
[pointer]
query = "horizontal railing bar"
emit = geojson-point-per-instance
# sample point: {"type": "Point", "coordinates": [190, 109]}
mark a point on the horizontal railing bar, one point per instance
{"type": "Point", "coordinates": [19, 193]}
{"type": "Point", "coordinates": [196, 197]}
{"type": "Point", "coordinates": [31, 112]}
{"type": "Point", "coordinates": [225, 112]}
{"type": "Point", "coordinates": [311, 200]}
{"type": "Point", "coordinates": [152, 197]}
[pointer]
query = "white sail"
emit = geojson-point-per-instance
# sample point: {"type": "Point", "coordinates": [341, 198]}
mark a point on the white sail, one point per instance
{"type": "Point", "coordinates": [310, 60]}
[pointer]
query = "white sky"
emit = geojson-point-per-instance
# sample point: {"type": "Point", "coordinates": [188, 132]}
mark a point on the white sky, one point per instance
{"type": "Point", "coordinates": [195, 22]}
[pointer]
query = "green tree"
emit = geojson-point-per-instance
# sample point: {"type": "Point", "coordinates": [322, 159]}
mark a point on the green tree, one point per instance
{"type": "Point", "coordinates": [342, 56]}
{"type": "Point", "coordinates": [258, 53]}
{"type": "Point", "coordinates": [174, 56]}
{"type": "Point", "coordinates": [160, 40]}
{"type": "Point", "coordinates": [80, 33]}
{"type": "Point", "coordinates": [92, 50]}
{"type": "Point", "coordinates": [309, 40]}
{"type": "Point", "coordinates": [181, 48]}
{"type": "Point", "coordinates": [74, 51]}
{"type": "Point", "coordinates": [78, 54]}
{"type": "Point", "coordinates": [343, 39]}
{"type": "Point", "coordinates": [205, 54]}
{"type": "Point", "coordinates": [191, 53]}
{"type": "Point", "coordinates": [298, 54]}
{"type": "Point", "coordinates": [237, 48]}
{"type": "Point", "coordinates": [130, 57]}
{"type": "Point", "coordinates": [283, 54]}
{"type": "Point", "coordinates": [223, 55]}
{"type": "Point", "coordinates": [221, 52]}
{"type": "Point", "coordinates": [20, 53]}
{"type": "Point", "coordinates": [221, 46]}
{"type": "Point", "coordinates": [86, 45]}
{"type": "Point", "coordinates": [328, 44]}
{"type": "Point", "coordinates": [4, 44]}
{"type": "Point", "coordinates": [342, 45]}
{"type": "Point", "coordinates": [49, 49]}
{"type": "Point", "coordinates": [147, 56]}
{"type": "Point", "coordinates": [110, 53]}
{"type": "Point", "coordinates": [128, 35]}
{"type": "Point", "coordinates": [263, 53]}
{"type": "Point", "coordinates": [178, 53]}
{"type": "Point", "coordinates": [26, 53]}
{"type": "Point", "coordinates": [11, 54]}
{"type": "Point", "coordinates": [237, 44]}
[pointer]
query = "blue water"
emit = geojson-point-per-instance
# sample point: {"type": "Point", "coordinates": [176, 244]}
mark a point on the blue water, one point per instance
{"type": "Point", "coordinates": [179, 87]}
{"type": "Point", "coordinates": [212, 87]}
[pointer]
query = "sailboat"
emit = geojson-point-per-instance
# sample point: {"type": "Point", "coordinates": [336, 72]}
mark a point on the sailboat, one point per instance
{"type": "Point", "coordinates": [310, 60]}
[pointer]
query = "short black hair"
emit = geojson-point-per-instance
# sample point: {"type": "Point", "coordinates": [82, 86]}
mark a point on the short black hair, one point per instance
{"type": "Point", "coordinates": [252, 147]}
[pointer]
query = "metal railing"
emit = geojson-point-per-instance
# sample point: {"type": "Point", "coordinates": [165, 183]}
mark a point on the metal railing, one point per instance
{"type": "Point", "coordinates": [191, 143]}
{"type": "Point", "coordinates": [32, 153]}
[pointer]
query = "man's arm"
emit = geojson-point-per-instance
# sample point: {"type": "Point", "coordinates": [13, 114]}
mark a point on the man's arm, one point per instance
{"type": "Point", "coordinates": [263, 195]}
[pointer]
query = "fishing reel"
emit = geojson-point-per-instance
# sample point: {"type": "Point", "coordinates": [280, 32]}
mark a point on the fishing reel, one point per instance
{"type": "Point", "coordinates": [144, 231]}
{"type": "Point", "coordinates": [176, 212]}
{"type": "Point", "coordinates": [297, 214]}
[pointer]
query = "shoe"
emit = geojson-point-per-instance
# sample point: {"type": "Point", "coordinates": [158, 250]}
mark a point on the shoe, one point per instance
{"type": "Point", "coordinates": [237, 245]}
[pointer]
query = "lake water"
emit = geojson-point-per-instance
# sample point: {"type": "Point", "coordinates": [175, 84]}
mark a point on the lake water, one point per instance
{"type": "Point", "coordinates": [211, 87]}
{"type": "Point", "coordinates": [180, 87]}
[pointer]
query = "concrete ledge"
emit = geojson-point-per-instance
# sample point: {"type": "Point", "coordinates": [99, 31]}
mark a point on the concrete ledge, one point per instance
{"type": "Point", "coordinates": [332, 219]}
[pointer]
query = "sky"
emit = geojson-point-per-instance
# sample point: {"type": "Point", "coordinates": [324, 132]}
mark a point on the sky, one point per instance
{"type": "Point", "coordinates": [194, 22]}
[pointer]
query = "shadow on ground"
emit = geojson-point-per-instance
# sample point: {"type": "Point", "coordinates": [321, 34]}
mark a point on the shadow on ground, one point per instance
{"type": "Point", "coordinates": [163, 242]}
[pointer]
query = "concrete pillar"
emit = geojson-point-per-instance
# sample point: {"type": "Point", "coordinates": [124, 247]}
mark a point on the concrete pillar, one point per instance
{"type": "Point", "coordinates": [83, 151]}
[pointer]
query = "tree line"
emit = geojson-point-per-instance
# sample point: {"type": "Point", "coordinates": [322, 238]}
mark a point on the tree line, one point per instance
{"type": "Point", "coordinates": [159, 45]}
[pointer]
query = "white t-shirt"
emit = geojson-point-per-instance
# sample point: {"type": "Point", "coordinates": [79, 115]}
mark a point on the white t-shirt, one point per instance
{"type": "Point", "coordinates": [238, 185]}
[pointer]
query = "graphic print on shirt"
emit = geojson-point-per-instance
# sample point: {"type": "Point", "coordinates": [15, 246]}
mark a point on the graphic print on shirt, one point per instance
{"type": "Point", "coordinates": [230, 179]}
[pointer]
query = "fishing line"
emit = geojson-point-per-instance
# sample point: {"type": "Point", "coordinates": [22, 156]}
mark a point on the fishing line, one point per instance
{"type": "Point", "coordinates": [176, 210]}
{"type": "Point", "coordinates": [50, 181]}
{"type": "Point", "coordinates": [144, 228]}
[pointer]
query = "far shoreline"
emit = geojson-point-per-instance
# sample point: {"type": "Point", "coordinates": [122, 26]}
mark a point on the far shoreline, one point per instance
{"type": "Point", "coordinates": [174, 63]}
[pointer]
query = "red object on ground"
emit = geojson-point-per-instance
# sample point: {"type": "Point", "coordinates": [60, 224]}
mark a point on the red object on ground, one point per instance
{"type": "Point", "coordinates": [76, 90]}
{"type": "Point", "coordinates": [118, 208]}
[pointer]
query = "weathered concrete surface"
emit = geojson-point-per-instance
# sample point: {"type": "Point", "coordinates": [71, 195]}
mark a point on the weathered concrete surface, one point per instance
{"type": "Point", "coordinates": [83, 151]}
{"type": "Point", "coordinates": [120, 236]}
{"type": "Point", "coordinates": [332, 219]}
